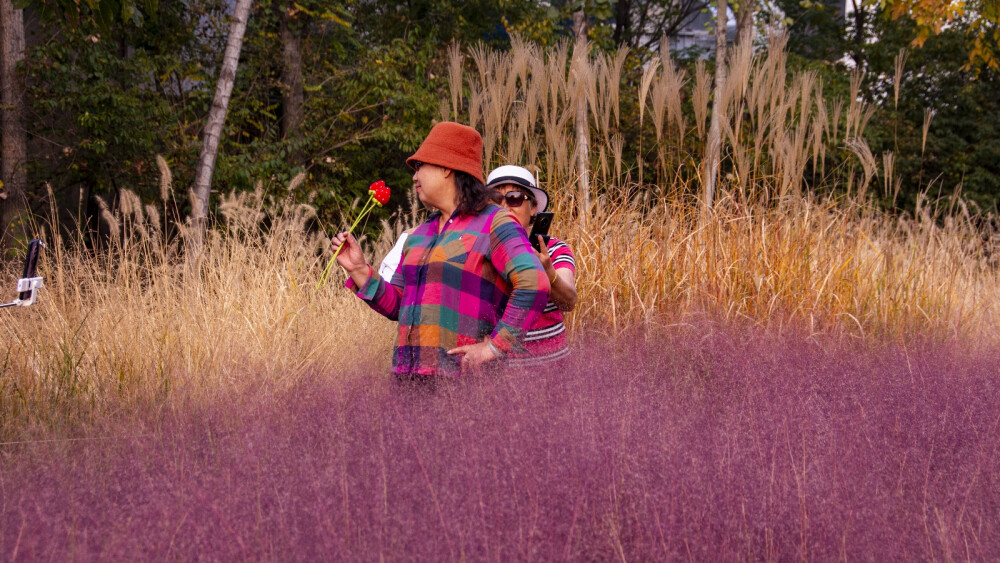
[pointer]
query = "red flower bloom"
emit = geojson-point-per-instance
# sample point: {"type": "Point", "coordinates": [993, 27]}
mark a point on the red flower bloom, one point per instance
{"type": "Point", "coordinates": [382, 193]}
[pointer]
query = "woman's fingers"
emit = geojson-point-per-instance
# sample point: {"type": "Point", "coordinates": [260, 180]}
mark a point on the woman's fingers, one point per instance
{"type": "Point", "coordinates": [474, 355]}
{"type": "Point", "coordinates": [349, 255]}
{"type": "Point", "coordinates": [342, 237]}
{"type": "Point", "coordinates": [543, 254]}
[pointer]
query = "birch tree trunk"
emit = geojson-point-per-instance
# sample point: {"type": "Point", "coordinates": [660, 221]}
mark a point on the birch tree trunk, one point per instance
{"type": "Point", "coordinates": [713, 147]}
{"type": "Point", "coordinates": [744, 22]}
{"type": "Point", "coordinates": [582, 143]}
{"type": "Point", "coordinates": [216, 118]}
{"type": "Point", "coordinates": [13, 145]}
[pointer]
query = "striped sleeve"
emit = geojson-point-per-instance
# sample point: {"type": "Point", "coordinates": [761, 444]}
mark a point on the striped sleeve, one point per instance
{"type": "Point", "coordinates": [517, 263]}
{"type": "Point", "coordinates": [561, 255]}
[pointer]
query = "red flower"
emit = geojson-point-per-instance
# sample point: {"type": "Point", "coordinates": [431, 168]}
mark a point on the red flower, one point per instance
{"type": "Point", "coordinates": [381, 193]}
{"type": "Point", "coordinates": [376, 185]}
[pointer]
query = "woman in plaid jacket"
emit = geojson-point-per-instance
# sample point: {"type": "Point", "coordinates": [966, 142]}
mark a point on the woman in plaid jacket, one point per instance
{"type": "Point", "coordinates": [469, 286]}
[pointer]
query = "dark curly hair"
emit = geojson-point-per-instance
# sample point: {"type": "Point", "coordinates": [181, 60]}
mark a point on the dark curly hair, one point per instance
{"type": "Point", "coordinates": [472, 194]}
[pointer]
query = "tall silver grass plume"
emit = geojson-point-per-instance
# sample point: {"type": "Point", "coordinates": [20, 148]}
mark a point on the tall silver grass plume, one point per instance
{"type": "Point", "coordinates": [818, 126]}
{"type": "Point", "coordinates": [702, 90]}
{"type": "Point", "coordinates": [517, 73]}
{"type": "Point", "coordinates": [109, 217]}
{"type": "Point", "coordinates": [154, 217]}
{"type": "Point", "coordinates": [866, 116]}
{"type": "Point", "coordinates": [807, 85]}
{"type": "Point", "coordinates": [586, 75]}
{"type": "Point", "coordinates": [659, 105]}
{"type": "Point", "coordinates": [297, 181]}
{"type": "Point", "coordinates": [859, 147]}
{"type": "Point", "coordinates": [518, 134]}
{"type": "Point", "coordinates": [739, 75]}
{"type": "Point", "coordinates": [475, 105]}
{"type": "Point", "coordinates": [897, 76]}
{"type": "Point", "coordinates": [838, 110]}
{"type": "Point", "coordinates": [535, 94]}
{"type": "Point", "coordinates": [648, 74]}
{"type": "Point", "coordinates": [674, 80]}
{"type": "Point", "coordinates": [455, 62]}
{"type": "Point", "coordinates": [444, 111]}
{"type": "Point", "coordinates": [928, 117]}
{"type": "Point", "coordinates": [131, 204]}
{"type": "Point", "coordinates": [602, 118]}
{"type": "Point", "coordinates": [166, 178]}
{"type": "Point", "coordinates": [481, 57]}
{"type": "Point", "coordinates": [617, 147]}
{"type": "Point", "coordinates": [888, 163]}
{"type": "Point", "coordinates": [195, 202]}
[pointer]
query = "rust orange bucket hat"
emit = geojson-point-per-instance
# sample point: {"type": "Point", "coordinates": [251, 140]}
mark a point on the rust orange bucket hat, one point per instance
{"type": "Point", "coordinates": [452, 145]}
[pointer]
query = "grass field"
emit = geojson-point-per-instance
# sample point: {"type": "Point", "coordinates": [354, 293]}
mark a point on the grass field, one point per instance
{"type": "Point", "coordinates": [779, 375]}
{"type": "Point", "coordinates": [713, 444]}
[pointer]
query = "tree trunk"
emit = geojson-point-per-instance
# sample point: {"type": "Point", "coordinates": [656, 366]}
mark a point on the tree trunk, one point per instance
{"type": "Point", "coordinates": [623, 30]}
{"type": "Point", "coordinates": [292, 97]}
{"type": "Point", "coordinates": [13, 146]}
{"type": "Point", "coordinates": [713, 148]}
{"type": "Point", "coordinates": [859, 34]}
{"type": "Point", "coordinates": [744, 21]}
{"type": "Point", "coordinates": [582, 144]}
{"type": "Point", "coordinates": [216, 118]}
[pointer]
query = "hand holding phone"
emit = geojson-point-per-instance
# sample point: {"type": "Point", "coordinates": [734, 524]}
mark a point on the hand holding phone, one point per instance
{"type": "Point", "coordinates": [540, 226]}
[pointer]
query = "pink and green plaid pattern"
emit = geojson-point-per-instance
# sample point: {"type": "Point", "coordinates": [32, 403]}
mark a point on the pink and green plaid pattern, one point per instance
{"type": "Point", "coordinates": [451, 288]}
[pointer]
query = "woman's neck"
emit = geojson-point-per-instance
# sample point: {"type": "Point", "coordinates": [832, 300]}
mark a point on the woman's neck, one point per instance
{"type": "Point", "coordinates": [446, 213]}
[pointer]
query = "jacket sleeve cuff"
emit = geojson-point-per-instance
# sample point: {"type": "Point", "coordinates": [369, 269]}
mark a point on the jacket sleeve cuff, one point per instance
{"type": "Point", "coordinates": [369, 289]}
{"type": "Point", "coordinates": [501, 343]}
{"type": "Point", "coordinates": [495, 350]}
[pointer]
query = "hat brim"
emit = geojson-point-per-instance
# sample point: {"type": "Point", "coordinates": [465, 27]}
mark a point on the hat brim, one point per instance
{"type": "Point", "coordinates": [541, 198]}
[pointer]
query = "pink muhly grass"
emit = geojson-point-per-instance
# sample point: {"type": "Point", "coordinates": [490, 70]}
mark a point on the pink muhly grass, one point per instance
{"type": "Point", "coordinates": [720, 447]}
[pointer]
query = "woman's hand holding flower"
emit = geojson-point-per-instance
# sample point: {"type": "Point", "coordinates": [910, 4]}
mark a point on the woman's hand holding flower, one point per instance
{"type": "Point", "coordinates": [351, 258]}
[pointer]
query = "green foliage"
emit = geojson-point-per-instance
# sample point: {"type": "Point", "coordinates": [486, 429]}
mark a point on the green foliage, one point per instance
{"type": "Point", "coordinates": [439, 22]}
{"type": "Point", "coordinates": [367, 107]}
{"type": "Point", "coordinates": [106, 95]}
{"type": "Point", "coordinates": [102, 13]}
{"type": "Point", "coordinates": [815, 28]}
{"type": "Point", "coordinates": [100, 110]}
{"type": "Point", "coordinates": [961, 148]}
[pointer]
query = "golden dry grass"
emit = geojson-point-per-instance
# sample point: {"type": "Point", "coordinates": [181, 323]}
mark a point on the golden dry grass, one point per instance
{"type": "Point", "coordinates": [136, 322]}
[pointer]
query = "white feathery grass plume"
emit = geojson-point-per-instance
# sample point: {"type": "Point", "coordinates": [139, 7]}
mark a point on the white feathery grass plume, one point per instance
{"type": "Point", "coordinates": [166, 178]}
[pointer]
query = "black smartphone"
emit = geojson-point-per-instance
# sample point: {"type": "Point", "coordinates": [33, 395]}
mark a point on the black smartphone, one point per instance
{"type": "Point", "coordinates": [31, 264]}
{"type": "Point", "coordinates": [540, 226]}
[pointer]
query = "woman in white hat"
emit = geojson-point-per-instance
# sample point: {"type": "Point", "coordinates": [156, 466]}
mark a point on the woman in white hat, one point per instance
{"type": "Point", "coordinates": [545, 341]}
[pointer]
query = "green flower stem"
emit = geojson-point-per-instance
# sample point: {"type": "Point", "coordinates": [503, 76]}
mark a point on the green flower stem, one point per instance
{"type": "Point", "coordinates": [329, 266]}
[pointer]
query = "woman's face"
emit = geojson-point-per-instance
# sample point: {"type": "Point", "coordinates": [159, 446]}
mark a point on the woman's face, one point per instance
{"type": "Point", "coordinates": [435, 186]}
{"type": "Point", "coordinates": [523, 212]}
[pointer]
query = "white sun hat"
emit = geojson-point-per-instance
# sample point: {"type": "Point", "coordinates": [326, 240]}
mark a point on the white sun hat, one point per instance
{"type": "Point", "coordinates": [510, 174]}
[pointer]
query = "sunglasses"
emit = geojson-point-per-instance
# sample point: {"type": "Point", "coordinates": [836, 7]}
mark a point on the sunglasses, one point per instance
{"type": "Point", "coordinates": [511, 199]}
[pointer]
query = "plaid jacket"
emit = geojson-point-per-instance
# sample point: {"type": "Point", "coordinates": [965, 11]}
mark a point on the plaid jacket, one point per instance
{"type": "Point", "coordinates": [478, 277]}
